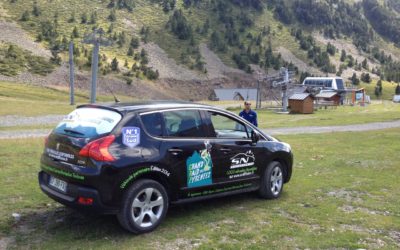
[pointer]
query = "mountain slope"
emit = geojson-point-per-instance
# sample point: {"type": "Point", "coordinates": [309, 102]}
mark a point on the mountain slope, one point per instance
{"type": "Point", "coordinates": [205, 40]}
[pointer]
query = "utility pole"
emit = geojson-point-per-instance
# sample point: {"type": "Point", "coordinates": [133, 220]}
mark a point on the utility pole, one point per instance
{"type": "Point", "coordinates": [95, 65]}
{"type": "Point", "coordinates": [284, 90]}
{"type": "Point", "coordinates": [258, 95]}
{"type": "Point", "coordinates": [71, 72]}
{"type": "Point", "coordinates": [96, 38]}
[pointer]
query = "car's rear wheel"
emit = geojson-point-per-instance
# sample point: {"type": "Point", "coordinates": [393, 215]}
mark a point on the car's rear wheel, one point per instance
{"type": "Point", "coordinates": [272, 181]}
{"type": "Point", "coordinates": [144, 206]}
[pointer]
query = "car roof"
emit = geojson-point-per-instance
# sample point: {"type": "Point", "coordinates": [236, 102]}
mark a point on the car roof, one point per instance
{"type": "Point", "coordinates": [146, 105]}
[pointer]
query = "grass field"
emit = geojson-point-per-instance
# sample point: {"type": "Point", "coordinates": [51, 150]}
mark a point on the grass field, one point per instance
{"type": "Point", "coordinates": [378, 111]}
{"type": "Point", "coordinates": [388, 89]}
{"type": "Point", "coordinates": [344, 194]}
{"type": "Point", "coordinates": [29, 100]}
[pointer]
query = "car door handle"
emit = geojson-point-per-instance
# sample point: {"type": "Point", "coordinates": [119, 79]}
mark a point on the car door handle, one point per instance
{"type": "Point", "coordinates": [175, 151]}
{"type": "Point", "coordinates": [225, 150]}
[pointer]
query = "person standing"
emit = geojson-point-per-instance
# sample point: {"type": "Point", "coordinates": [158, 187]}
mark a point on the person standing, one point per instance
{"type": "Point", "coordinates": [248, 114]}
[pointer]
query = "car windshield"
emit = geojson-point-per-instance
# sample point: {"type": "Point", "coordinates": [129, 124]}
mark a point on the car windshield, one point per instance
{"type": "Point", "coordinates": [88, 122]}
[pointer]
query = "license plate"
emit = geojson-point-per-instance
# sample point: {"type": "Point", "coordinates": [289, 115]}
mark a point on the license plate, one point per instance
{"type": "Point", "coordinates": [58, 184]}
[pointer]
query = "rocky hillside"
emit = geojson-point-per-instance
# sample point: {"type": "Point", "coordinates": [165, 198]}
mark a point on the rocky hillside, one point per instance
{"type": "Point", "coordinates": [151, 48]}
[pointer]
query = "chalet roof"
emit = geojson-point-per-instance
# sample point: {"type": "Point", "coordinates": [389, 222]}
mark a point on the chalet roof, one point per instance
{"type": "Point", "coordinates": [326, 95]}
{"type": "Point", "coordinates": [299, 96]}
{"type": "Point", "coordinates": [230, 94]}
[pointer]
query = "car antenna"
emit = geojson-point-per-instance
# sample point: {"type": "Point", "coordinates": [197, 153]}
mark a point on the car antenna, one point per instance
{"type": "Point", "coordinates": [115, 97]}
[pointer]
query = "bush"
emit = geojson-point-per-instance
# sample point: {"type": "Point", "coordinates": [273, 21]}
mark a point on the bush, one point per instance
{"type": "Point", "coordinates": [14, 60]}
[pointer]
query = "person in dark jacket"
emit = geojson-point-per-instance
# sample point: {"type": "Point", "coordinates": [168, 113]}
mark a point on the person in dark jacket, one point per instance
{"type": "Point", "coordinates": [248, 114]}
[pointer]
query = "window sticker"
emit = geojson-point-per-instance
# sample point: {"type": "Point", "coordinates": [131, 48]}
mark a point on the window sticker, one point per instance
{"type": "Point", "coordinates": [131, 136]}
{"type": "Point", "coordinates": [199, 167]}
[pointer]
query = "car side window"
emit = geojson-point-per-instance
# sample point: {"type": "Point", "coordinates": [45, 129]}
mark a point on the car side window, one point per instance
{"type": "Point", "coordinates": [227, 127]}
{"type": "Point", "coordinates": [183, 123]}
{"type": "Point", "coordinates": [153, 123]}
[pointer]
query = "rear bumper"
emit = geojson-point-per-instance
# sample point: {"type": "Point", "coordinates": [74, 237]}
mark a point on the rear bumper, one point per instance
{"type": "Point", "coordinates": [70, 198]}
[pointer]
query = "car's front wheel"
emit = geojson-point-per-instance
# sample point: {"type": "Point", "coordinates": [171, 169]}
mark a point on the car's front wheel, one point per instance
{"type": "Point", "coordinates": [272, 181]}
{"type": "Point", "coordinates": [144, 206]}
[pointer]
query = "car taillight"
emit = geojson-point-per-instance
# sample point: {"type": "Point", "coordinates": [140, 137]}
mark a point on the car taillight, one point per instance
{"type": "Point", "coordinates": [98, 149]}
{"type": "Point", "coordinates": [46, 140]}
{"type": "Point", "coordinates": [85, 201]}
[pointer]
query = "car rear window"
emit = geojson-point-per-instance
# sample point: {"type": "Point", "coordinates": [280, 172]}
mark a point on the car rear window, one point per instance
{"type": "Point", "coordinates": [88, 122]}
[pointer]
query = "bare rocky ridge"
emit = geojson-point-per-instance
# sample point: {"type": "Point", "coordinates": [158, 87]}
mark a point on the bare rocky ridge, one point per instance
{"type": "Point", "coordinates": [288, 56]}
{"type": "Point", "coordinates": [215, 67]}
{"type": "Point", "coordinates": [166, 66]}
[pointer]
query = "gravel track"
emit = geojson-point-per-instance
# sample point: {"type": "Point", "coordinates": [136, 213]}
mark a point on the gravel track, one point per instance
{"type": "Point", "coordinates": [15, 120]}
{"type": "Point", "coordinates": [332, 129]}
{"type": "Point", "coordinates": [9, 121]}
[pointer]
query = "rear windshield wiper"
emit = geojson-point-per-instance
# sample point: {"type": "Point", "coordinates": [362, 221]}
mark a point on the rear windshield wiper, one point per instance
{"type": "Point", "coordinates": [73, 131]}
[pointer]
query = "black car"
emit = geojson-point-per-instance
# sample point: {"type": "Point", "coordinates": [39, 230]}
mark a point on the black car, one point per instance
{"type": "Point", "coordinates": [135, 159]}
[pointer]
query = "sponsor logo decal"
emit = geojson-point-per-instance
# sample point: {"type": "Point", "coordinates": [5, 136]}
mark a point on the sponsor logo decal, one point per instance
{"type": "Point", "coordinates": [236, 173]}
{"type": "Point", "coordinates": [199, 167]}
{"type": "Point", "coordinates": [64, 173]}
{"type": "Point", "coordinates": [133, 176]}
{"type": "Point", "coordinates": [161, 170]}
{"type": "Point", "coordinates": [59, 155]}
{"type": "Point", "coordinates": [131, 136]}
{"type": "Point", "coordinates": [219, 190]}
{"type": "Point", "coordinates": [243, 160]}
{"type": "Point", "coordinates": [142, 171]}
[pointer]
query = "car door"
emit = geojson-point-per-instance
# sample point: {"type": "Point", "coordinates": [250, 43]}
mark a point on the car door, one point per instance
{"type": "Point", "coordinates": [236, 158]}
{"type": "Point", "coordinates": [187, 151]}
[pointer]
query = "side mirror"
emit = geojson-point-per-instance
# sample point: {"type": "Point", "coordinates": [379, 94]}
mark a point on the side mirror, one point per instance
{"type": "Point", "coordinates": [255, 136]}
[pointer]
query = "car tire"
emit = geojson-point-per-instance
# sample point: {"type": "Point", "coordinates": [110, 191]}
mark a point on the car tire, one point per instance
{"type": "Point", "coordinates": [272, 181]}
{"type": "Point", "coordinates": [143, 207]}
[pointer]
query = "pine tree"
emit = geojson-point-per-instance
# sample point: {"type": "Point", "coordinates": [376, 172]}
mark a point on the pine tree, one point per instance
{"type": "Point", "coordinates": [55, 58]}
{"type": "Point", "coordinates": [143, 53]}
{"type": "Point", "coordinates": [331, 49]}
{"type": "Point", "coordinates": [84, 18]}
{"type": "Point", "coordinates": [134, 42]}
{"type": "Point", "coordinates": [397, 91]}
{"type": "Point", "coordinates": [114, 65]}
{"type": "Point", "coordinates": [121, 39]}
{"type": "Point", "coordinates": [378, 89]}
{"type": "Point", "coordinates": [343, 56]}
{"type": "Point", "coordinates": [365, 77]}
{"type": "Point", "coordinates": [354, 79]}
{"type": "Point", "coordinates": [36, 11]}
{"type": "Point", "coordinates": [130, 51]}
{"type": "Point", "coordinates": [112, 17]}
{"type": "Point", "coordinates": [72, 18]}
{"type": "Point", "coordinates": [25, 16]}
{"type": "Point", "coordinates": [93, 18]}
{"type": "Point", "coordinates": [75, 32]}
{"type": "Point", "coordinates": [365, 64]}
